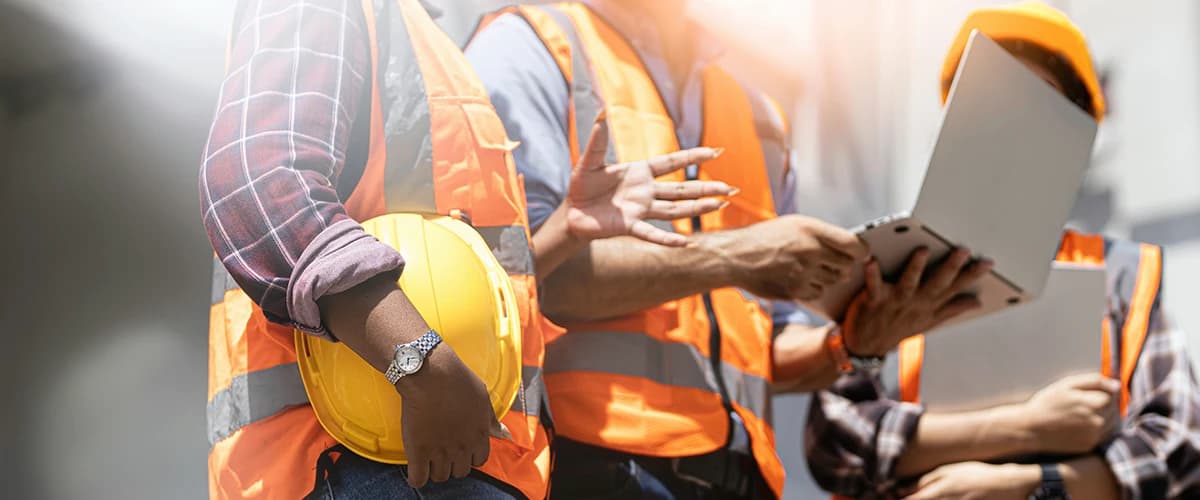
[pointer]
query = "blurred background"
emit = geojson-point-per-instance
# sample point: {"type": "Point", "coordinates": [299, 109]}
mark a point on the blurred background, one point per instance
{"type": "Point", "coordinates": [105, 107]}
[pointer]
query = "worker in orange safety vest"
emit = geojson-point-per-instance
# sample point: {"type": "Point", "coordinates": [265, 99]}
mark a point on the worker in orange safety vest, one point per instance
{"type": "Point", "coordinates": [335, 112]}
{"type": "Point", "coordinates": [1131, 430]}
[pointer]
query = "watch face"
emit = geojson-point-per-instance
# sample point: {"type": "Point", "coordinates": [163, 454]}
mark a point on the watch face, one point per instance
{"type": "Point", "coordinates": [408, 359]}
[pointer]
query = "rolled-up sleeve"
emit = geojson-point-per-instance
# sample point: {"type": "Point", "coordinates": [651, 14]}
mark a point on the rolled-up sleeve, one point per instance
{"type": "Point", "coordinates": [855, 436]}
{"type": "Point", "coordinates": [531, 97]}
{"type": "Point", "coordinates": [277, 146]}
{"type": "Point", "coordinates": [1156, 454]}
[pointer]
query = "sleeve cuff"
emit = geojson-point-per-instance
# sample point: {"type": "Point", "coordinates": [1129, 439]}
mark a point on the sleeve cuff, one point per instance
{"type": "Point", "coordinates": [896, 429]}
{"type": "Point", "coordinates": [338, 259]}
{"type": "Point", "coordinates": [1139, 471]}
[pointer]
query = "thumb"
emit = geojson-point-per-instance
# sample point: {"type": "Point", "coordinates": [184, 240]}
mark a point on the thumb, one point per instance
{"type": "Point", "coordinates": [597, 146]}
{"type": "Point", "coordinates": [497, 429]}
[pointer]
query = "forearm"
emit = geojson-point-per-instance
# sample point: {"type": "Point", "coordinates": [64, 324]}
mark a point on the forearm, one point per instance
{"type": "Point", "coordinates": [619, 276]}
{"type": "Point", "coordinates": [982, 435]}
{"type": "Point", "coordinates": [1087, 476]}
{"type": "Point", "coordinates": [800, 360]}
{"type": "Point", "coordinates": [553, 243]}
{"type": "Point", "coordinates": [372, 318]}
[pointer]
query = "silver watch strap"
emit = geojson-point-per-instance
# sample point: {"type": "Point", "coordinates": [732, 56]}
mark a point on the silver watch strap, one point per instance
{"type": "Point", "coordinates": [427, 342]}
{"type": "Point", "coordinates": [423, 345]}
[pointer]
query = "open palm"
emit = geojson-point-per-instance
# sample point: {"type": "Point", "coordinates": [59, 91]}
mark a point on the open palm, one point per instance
{"type": "Point", "coordinates": [615, 200]}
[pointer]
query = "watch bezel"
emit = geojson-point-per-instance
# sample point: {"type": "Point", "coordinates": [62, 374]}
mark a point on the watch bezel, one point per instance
{"type": "Point", "coordinates": [400, 354]}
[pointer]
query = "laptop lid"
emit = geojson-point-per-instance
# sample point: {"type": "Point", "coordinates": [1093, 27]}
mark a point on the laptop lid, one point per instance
{"type": "Point", "coordinates": [1007, 165]}
{"type": "Point", "coordinates": [1007, 356]}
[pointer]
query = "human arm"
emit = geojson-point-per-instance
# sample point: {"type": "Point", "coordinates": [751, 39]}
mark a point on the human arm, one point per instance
{"type": "Point", "coordinates": [605, 201]}
{"type": "Point", "coordinates": [1087, 477]}
{"type": "Point", "coordinates": [1071, 415]}
{"type": "Point", "coordinates": [268, 183]}
{"type": "Point", "coordinates": [1156, 449]}
{"type": "Point", "coordinates": [269, 193]}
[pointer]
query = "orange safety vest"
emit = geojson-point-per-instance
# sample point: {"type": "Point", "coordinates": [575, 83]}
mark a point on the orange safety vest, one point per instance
{"type": "Point", "coordinates": [1134, 273]}
{"type": "Point", "coordinates": [265, 438]}
{"type": "Point", "coordinates": [662, 382]}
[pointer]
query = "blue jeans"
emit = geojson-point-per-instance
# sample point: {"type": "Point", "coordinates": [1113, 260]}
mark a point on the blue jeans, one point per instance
{"type": "Point", "coordinates": [342, 475]}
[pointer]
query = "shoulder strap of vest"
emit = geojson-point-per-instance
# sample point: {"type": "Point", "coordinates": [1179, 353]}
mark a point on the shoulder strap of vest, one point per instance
{"type": "Point", "coordinates": [554, 36]}
{"type": "Point", "coordinates": [1135, 277]}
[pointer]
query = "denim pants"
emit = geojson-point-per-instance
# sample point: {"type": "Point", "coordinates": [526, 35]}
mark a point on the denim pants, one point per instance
{"type": "Point", "coordinates": [342, 475]}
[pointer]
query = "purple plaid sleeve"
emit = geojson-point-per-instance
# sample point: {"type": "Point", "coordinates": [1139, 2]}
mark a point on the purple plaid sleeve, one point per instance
{"type": "Point", "coordinates": [855, 435]}
{"type": "Point", "coordinates": [1156, 454]}
{"type": "Point", "coordinates": [297, 70]}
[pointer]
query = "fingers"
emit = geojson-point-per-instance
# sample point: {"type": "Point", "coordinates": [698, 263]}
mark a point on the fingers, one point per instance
{"type": "Point", "coordinates": [843, 241]}
{"type": "Point", "coordinates": [418, 468]}
{"type": "Point", "coordinates": [670, 210]}
{"type": "Point", "coordinates": [461, 466]}
{"type": "Point", "coordinates": [645, 231]}
{"type": "Point", "coordinates": [958, 305]}
{"type": "Point", "coordinates": [873, 277]}
{"type": "Point", "coordinates": [597, 147]}
{"type": "Point", "coordinates": [968, 278]}
{"type": "Point", "coordinates": [828, 275]}
{"type": "Point", "coordinates": [1093, 382]}
{"type": "Point", "coordinates": [690, 190]}
{"type": "Point", "coordinates": [944, 276]}
{"type": "Point", "coordinates": [911, 278]}
{"type": "Point", "coordinates": [666, 164]}
{"type": "Point", "coordinates": [439, 467]}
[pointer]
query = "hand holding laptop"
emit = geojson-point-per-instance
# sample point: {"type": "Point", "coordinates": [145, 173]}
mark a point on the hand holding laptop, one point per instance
{"type": "Point", "coordinates": [883, 314]}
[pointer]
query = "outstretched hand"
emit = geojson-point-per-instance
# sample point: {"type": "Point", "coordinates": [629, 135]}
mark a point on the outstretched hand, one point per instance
{"type": "Point", "coordinates": [615, 200]}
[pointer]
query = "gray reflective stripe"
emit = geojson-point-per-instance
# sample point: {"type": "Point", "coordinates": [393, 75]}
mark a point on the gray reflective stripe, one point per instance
{"type": "Point", "coordinates": [254, 396]}
{"type": "Point", "coordinates": [510, 244]}
{"type": "Point", "coordinates": [667, 363]}
{"type": "Point", "coordinates": [665, 225]}
{"type": "Point", "coordinates": [408, 175]}
{"type": "Point", "coordinates": [584, 96]}
{"type": "Point", "coordinates": [890, 375]}
{"type": "Point", "coordinates": [772, 136]}
{"type": "Point", "coordinates": [222, 281]}
{"type": "Point", "coordinates": [529, 400]}
{"type": "Point", "coordinates": [750, 297]}
{"type": "Point", "coordinates": [1122, 264]}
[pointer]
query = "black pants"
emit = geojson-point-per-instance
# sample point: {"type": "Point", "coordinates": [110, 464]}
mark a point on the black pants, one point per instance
{"type": "Point", "coordinates": [585, 472]}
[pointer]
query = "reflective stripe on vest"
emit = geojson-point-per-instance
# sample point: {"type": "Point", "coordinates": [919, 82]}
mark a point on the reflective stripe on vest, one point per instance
{"type": "Point", "coordinates": [1134, 276]}
{"type": "Point", "coordinates": [434, 145]}
{"type": "Point", "coordinates": [656, 391]}
{"type": "Point", "coordinates": [667, 363]}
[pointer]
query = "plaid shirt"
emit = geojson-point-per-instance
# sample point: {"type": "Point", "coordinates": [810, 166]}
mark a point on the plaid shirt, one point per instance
{"type": "Point", "coordinates": [268, 184]}
{"type": "Point", "coordinates": [855, 435]}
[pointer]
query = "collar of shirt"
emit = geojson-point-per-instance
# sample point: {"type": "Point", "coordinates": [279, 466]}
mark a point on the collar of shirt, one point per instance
{"type": "Point", "coordinates": [683, 99]}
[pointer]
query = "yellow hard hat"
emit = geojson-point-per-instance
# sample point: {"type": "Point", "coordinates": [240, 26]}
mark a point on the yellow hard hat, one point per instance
{"type": "Point", "coordinates": [1032, 22]}
{"type": "Point", "coordinates": [461, 290]}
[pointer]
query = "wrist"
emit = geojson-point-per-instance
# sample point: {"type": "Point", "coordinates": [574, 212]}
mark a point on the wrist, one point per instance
{"type": "Point", "coordinates": [1025, 478]}
{"type": "Point", "coordinates": [1018, 428]}
{"type": "Point", "coordinates": [721, 251]}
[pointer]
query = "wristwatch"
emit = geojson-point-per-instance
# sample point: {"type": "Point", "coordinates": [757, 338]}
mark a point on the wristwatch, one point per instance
{"type": "Point", "coordinates": [408, 358]}
{"type": "Point", "coordinates": [846, 362]}
{"type": "Point", "coordinates": [1052, 487]}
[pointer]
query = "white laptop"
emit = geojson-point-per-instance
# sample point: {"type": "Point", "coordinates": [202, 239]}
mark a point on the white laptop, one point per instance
{"type": "Point", "coordinates": [1007, 356]}
{"type": "Point", "coordinates": [1007, 165]}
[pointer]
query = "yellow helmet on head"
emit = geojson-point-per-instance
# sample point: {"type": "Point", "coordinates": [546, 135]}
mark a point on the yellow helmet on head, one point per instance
{"type": "Point", "coordinates": [1035, 23]}
{"type": "Point", "coordinates": [462, 291]}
